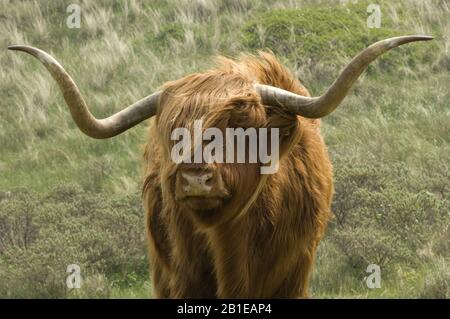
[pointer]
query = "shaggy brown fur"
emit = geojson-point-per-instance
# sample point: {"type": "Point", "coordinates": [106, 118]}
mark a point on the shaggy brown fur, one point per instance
{"type": "Point", "coordinates": [262, 242]}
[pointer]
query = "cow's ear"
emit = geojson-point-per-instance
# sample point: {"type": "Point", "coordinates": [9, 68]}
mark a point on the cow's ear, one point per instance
{"type": "Point", "coordinates": [288, 125]}
{"type": "Point", "coordinates": [284, 120]}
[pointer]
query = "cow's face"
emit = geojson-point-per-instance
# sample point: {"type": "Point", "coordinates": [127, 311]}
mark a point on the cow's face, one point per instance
{"type": "Point", "coordinates": [214, 191]}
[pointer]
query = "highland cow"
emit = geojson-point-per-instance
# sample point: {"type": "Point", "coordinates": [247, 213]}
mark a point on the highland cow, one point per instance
{"type": "Point", "coordinates": [223, 229]}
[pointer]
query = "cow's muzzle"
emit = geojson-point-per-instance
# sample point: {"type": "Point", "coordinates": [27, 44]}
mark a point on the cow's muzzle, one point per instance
{"type": "Point", "coordinates": [200, 188]}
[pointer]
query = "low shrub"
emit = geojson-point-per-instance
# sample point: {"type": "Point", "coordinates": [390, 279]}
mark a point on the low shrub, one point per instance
{"type": "Point", "coordinates": [41, 235]}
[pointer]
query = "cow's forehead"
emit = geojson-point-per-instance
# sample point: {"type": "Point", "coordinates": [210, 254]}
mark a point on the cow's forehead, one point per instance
{"type": "Point", "coordinates": [212, 97]}
{"type": "Point", "coordinates": [211, 109]}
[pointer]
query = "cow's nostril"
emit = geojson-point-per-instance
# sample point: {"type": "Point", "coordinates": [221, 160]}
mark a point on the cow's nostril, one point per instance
{"type": "Point", "coordinates": [208, 178]}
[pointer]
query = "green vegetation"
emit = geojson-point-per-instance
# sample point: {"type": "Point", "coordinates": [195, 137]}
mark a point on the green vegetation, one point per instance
{"type": "Point", "coordinates": [43, 234]}
{"type": "Point", "coordinates": [324, 38]}
{"type": "Point", "coordinates": [66, 199]}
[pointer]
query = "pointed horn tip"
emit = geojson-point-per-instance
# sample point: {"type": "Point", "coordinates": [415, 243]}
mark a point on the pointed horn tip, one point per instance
{"type": "Point", "coordinates": [409, 38]}
{"type": "Point", "coordinates": [397, 41]}
{"type": "Point", "coordinates": [42, 56]}
{"type": "Point", "coordinates": [423, 37]}
{"type": "Point", "coordinates": [17, 47]}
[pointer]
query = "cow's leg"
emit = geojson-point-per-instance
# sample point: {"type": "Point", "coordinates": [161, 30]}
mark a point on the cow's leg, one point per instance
{"type": "Point", "coordinates": [160, 280]}
{"type": "Point", "coordinates": [193, 274]}
{"type": "Point", "coordinates": [254, 278]}
{"type": "Point", "coordinates": [159, 246]}
{"type": "Point", "coordinates": [296, 282]}
{"type": "Point", "coordinates": [261, 263]}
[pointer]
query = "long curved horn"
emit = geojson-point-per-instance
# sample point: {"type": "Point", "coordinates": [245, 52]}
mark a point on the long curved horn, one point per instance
{"type": "Point", "coordinates": [88, 124]}
{"type": "Point", "coordinates": [317, 107]}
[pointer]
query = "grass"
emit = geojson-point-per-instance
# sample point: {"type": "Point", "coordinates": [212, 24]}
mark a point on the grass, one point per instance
{"type": "Point", "coordinates": [389, 142]}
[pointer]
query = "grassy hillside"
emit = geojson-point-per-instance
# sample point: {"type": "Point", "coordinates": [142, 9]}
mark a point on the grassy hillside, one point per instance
{"type": "Point", "coordinates": [66, 199]}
